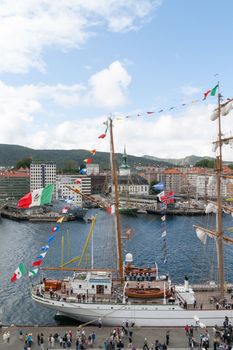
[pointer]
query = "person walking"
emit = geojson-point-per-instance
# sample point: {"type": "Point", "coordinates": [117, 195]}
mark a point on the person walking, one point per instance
{"type": "Point", "coordinates": [145, 345]}
{"type": "Point", "coordinates": [93, 337]}
{"type": "Point", "coordinates": [8, 336]}
{"type": "Point", "coordinates": [167, 337]}
{"type": "Point", "coordinates": [41, 342]}
{"type": "Point", "coordinates": [38, 339]}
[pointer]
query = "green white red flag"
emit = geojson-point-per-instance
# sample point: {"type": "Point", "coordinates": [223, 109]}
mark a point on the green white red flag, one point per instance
{"type": "Point", "coordinates": [19, 272]}
{"type": "Point", "coordinates": [37, 198]}
{"type": "Point", "coordinates": [211, 92]}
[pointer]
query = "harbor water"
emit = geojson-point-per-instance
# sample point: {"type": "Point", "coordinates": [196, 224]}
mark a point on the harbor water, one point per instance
{"type": "Point", "coordinates": [22, 242]}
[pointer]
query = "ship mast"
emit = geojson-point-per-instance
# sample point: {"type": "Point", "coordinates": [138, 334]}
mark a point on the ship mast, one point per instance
{"type": "Point", "coordinates": [117, 213]}
{"type": "Point", "coordinates": [219, 224]}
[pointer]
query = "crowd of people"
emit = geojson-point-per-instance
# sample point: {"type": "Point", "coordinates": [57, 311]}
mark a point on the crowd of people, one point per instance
{"type": "Point", "coordinates": [222, 336]}
{"type": "Point", "coordinates": [123, 338]}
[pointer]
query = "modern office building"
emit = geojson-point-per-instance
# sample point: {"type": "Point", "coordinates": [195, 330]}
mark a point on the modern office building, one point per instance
{"type": "Point", "coordinates": [42, 174]}
{"type": "Point", "coordinates": [14, 184]}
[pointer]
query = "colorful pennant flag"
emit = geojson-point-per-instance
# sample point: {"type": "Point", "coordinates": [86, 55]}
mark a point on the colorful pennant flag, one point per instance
{"type": "Point", "coordinates": [32, 272]}
{"type": "Point", "coordinates": [55, 229]}
{"type": "Point", "coordinates": [60, 219]}
{"type": "Point", "coordinates": [102, 136]}
{"type": "Point", "coordinates": [45, 248]}
{"type": "Point", "coordinates": [65, 210]}
{"type": "Point", "coordinates": [111, 209]}
{"type": "Point", "coordinates": [51, 238]}
{"type": "Point", "coordinates": [19, 272]}
{"type": "Point", "coordinates": [88, 160]}
{"type": "Point", "coordinates": [37, 263]}
{"type": "Point", "coordinates": [41, 256]}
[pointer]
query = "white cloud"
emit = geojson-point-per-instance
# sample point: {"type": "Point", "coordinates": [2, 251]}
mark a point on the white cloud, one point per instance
{"type": "Point", "coordinates": [27, 28]}
{"type": "Point", "coordinates": [109, 86]}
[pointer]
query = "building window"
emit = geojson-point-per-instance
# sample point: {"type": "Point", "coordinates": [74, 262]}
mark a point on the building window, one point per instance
{"type": "Point", "coordinates": [92, 286]}
{"type": "Point", "coordinates": [80, 286]}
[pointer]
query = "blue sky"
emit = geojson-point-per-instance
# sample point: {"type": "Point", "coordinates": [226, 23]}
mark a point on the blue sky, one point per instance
{"type": "Point", "coordinates": [66, 66]}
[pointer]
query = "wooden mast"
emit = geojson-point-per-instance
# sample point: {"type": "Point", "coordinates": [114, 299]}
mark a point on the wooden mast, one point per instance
{"type": "Point", "coordinates": [115, 183]}
{"type": "Point", "coordinates": [219, 225]}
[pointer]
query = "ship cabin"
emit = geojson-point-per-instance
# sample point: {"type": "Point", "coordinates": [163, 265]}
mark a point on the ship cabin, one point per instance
{"type": "Point", "coordinates": [92, 283]}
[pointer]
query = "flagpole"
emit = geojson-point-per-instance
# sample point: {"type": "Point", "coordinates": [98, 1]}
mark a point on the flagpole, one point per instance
{"type": "Point", "coordinates": [219, 225]}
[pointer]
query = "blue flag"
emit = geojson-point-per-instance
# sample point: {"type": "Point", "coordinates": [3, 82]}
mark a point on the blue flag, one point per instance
{"type": "Point", "coordinates": [50, 238]}
{"type": "Point", "coordinates": [159, 186]}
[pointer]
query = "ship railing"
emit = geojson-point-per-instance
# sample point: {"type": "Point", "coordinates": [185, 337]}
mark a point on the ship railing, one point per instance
{"type": "Point", "coordinates": [74, 300]}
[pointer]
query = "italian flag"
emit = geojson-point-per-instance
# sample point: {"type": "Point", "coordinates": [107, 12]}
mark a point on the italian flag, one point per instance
{"type": "Point", "coordinates": [36, 198]}
{"type": "Point", "coordinates": [19, 272]}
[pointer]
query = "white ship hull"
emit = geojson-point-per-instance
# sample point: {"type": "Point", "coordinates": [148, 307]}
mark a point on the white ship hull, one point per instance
{"type": "Point", "coordinates": [142, 315]}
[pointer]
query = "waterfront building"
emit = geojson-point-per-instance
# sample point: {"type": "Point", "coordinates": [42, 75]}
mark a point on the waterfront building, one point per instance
{"type": "Point", "coordinates": [14, 184]}
{"type": "Point", "coordinates": [100, 183]}
{"type": "Point", "coordinates": [42, 174]}
{"type": "Point", "coordinates": [93, 169]}
{"type": "Point", "coordinates": [172, 179]}
{"type": "Point", "coordinates": [129, 184]}
{"type": "Point", "coordinates": [80, 182]}
{"type": "Point", "coordinates": [133, 185]}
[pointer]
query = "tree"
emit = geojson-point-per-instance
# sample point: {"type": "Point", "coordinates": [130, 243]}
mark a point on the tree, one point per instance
{"type": "Point", "coordinates": [70, 167]}
{"type": "Point", "coordinates": [205, 163]}
{"type": "Point", "coordinates": [24, 163]}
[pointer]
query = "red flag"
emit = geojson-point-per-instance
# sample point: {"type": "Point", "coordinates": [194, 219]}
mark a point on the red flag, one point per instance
{"type": "Point", "coordinates": [78, 181]}
{"type": "Point", "coordinates": [102, 136]}
{"type": "Point", "coordinates": [93, 151]}
{"type": "Point", "coordinates": [206, 94]}
{"type": "Point", "coordinates": [150, 113]}
{"type": "Point", "coordinates": [88, 160]}
{"type": "Point", "coordinates": [170, 197]}
{"type": "Point", "coordinates": [37, 263]}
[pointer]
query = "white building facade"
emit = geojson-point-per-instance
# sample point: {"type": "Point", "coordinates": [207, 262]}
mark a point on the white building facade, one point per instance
{"type": "Point", "coordinates": [80, 182]}
{"type": "Point", "coordinates": [42, 174]}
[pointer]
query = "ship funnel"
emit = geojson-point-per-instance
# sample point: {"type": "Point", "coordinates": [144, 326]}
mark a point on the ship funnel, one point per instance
{"type": "Point", "coordinates": [129, 258]}
{"type": "Point", "coordinates": [186, 283]}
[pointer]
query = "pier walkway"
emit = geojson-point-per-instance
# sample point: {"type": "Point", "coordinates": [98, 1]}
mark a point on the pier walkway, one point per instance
{"type": "Point", "coordinates": [178, 339]}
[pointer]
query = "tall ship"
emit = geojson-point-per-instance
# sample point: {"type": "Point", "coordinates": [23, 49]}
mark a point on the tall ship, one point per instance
{"type": "Point", "coordinates": [140, 294]}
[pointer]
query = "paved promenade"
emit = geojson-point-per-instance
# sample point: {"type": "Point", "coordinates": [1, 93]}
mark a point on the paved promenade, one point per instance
{"type": "Point", "coordinates": [178, 339]}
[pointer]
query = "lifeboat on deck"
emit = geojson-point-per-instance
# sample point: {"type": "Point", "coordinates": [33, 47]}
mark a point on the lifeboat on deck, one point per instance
{"type": "Point", "coordinates": [148, 293]}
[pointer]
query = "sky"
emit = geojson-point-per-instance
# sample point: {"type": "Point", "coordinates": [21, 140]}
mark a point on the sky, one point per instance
{"type": "Point", "coordinates": [67, 66]}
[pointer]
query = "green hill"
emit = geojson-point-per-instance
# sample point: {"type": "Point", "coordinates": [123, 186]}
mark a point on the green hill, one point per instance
{"type": "Point", "coordinates": [11, 154]}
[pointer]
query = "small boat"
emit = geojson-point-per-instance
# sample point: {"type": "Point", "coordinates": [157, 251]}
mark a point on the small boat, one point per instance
{"type": "Point", "coordinates": [148, 293]}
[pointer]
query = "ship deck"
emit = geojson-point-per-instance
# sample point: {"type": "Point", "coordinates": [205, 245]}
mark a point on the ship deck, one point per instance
{"type": "Point", "coordinates": [205, 299]}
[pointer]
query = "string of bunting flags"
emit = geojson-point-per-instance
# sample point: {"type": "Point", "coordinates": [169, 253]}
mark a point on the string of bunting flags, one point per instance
{"type": "Point", "coordinates": [36, 264]}
{"type": "Point", "coordinates": [165, 198]}
{"type": "Point", "coordinates": [151, 113]}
